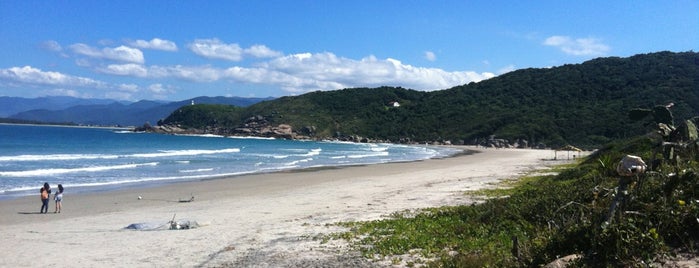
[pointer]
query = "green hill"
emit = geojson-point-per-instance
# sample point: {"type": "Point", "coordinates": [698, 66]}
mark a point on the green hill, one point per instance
{"type": "Point", "coordinates": [583, 104]}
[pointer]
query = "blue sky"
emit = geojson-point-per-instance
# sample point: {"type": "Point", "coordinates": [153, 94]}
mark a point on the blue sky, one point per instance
{"type": "Point", "coordinates": [175, 50]}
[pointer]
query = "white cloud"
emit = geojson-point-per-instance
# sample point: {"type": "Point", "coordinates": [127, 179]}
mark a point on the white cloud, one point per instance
{"type": "Point", "coordinates": [105, 42]}
{"type": "Point", "coordinates": [123, 92]}
{"type": "Point", "coordinates": [58, 84]}
{"type": "Point", "coordinates": [430, 56]}
{"type": "Point", "coordinates": [31, 75]}
{"type": "Point", "coordinates": [157, 88]}
{"type": "Point", "coordinates": [160, 91]}
{"type": "Point", "coordinates": [128, 87]}
{"type": "Point", "coordinates": [507, 69]}
{"type": "Point", "coordinates": [83, 63]}
{"type": "Point", "coordinates": [129, 69]}
{"type": "Point", "coordinates": [52, 46]}
{"type": "Point", "coordinates": [579, 46]}
{"type": "Point", "coordinates": [332, 72]}
{"type": "Point", "coordinates": [289, 82]}
{"type": "Point", "coordinates": [155, 43]}
{"type": "Point", "coordinates": [64, 92]}
{"type": "Point", "coordinates": [120, 53]}
{"type": "Point", "coordinates": [215, 49]}
{"type": "Point", "coordinates": [116, 95]}
{"type": "Point", "coordinates": [306, 72]}
{"type": "Point", "coordinates": [262, 51]}
{"type": "Point", "coordinates": [190, 73]}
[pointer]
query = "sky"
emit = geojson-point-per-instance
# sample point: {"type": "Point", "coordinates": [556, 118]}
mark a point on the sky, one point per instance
{"type": "Point", "coordinates": [176, 50]}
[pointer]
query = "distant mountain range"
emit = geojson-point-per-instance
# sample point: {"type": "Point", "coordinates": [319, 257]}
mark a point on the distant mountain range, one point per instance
{"type": "Point", "coordinates": [103, 112]}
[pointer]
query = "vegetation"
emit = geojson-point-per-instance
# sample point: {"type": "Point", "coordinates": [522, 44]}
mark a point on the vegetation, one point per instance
{"type": "Point", "coordinates": [206, 115]}
{"type": "Point", "coordinates": [546, 217]}
{"type": "Point", "coordinates": [577, 104]}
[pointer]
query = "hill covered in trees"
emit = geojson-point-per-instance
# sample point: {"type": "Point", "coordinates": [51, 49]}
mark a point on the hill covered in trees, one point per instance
{"type": "Point", "coordinates": [583, 104]}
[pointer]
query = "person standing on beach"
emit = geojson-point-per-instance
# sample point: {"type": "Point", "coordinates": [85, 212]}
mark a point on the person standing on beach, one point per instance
{"type": "Point", "coordinates": [47, 187]}
{"type": "Point", "coordinates": [44, 200]}
{"type": "Point", "coordinates": [58, 198]}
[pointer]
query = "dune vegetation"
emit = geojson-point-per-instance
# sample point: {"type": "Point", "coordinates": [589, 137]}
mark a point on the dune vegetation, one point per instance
{"type": "Point", "coordinates": [587, 210]}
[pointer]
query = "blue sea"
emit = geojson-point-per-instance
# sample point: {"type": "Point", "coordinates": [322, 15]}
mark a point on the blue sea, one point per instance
{"type": "Point", "coordinates": [100, 159]}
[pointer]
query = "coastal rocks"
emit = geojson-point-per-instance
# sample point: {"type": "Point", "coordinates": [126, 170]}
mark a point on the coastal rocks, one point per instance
{"type": "Point", "coordinates": [259, 126]}
{"type": "Point", "coordinates": [262, 126]}
{"type": "Point", "coordinates": [166, 129]}
{"type": "Point", "coordinates": [494, 142]}
{"type": "Point", "coordinates": [309, 131]}
{"type": "Point", "coordinates": [498, 143]}
{"type": "Point", "coordinates": [283, 131]}
{"type": "Point", "coordinates": [353, 138]}
{"type": "Point", "coordinates": [255, 126]}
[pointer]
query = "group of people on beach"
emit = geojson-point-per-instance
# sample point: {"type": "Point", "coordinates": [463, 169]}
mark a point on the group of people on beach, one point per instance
{"type": "Point", "coordinates": [46, 193]}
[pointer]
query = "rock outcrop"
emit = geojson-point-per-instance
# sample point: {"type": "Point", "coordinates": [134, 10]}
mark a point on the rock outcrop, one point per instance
{"type": "Point", "coordinates": [255, 126]}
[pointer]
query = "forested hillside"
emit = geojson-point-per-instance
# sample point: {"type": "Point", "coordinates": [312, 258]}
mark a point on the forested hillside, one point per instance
{"type": "Point", "coordinates": [582, 104]}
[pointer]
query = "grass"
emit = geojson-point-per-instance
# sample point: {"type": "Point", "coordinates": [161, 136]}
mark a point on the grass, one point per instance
{"type": "Point", "coordinates": [508, 187]}
{"type": "Point", "coordinates": [549, 216]}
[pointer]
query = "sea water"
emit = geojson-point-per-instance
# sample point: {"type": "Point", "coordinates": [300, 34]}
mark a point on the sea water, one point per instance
{"type": "Point", "coordinates": [99, 159]}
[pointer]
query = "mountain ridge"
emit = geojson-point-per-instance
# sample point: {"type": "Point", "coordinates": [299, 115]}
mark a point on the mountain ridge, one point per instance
{"type": "Point", "coordinates": [585, 104]}
{"type": "Point", "coordinates": [103, 112]}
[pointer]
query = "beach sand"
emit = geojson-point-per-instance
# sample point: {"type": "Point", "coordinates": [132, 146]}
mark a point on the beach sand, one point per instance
{"type": "Point", "coordinates": [266, 220]}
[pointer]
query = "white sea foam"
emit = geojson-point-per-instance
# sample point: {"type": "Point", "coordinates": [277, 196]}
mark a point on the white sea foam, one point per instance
{"type": "Point", "coordinates": [295, 163]}
{"type": "Point", "coordinates": [294, 150]}
{"type": "Point", "coordinates": [378, 147]}
{"type": "Point", "coordinates": [196, 170]}
{"type": "Point", "coordinates": [201, 135]}
{"type": "Point", "coordinates": [167, 153]}
{"type": "Point", "coordinates": [163, 153]}
{"type": "Point", "coordinates": [313, 152]}
{"type": "Point", "coordinates": [212, 136]}
{"type": "Point", "coordinates": [55, 157]}
{"type": "Point", "coordinates": [251, 138]}
{"type": "Point", "coordinates": [275, 156]}
{"type": "Point", "coordinates": [355, 156]}
{"type": "Point", "coordinates": [55, 171]}
{"type": "Point", "coordinates": [137, 181]}
{"type": "Point", "coordinates": [93, 158]}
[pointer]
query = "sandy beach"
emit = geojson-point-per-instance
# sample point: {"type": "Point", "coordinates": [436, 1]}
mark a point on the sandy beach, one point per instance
{"type": "Point", "coordinates": [266, 220]}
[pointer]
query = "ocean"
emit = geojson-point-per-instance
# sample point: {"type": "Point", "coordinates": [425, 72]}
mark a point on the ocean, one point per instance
{"type": "Point", "coordinates": [100, 159]}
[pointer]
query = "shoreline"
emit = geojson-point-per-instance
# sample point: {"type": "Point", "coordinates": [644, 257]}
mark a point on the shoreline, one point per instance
{"type": "Point", "coordinates": [266, 220]}
{"type": "Point", "coordinates": [128, 190]}
{"type": "Point", "coordinates": [109, 176]}
{"type": "Point", "coordinates": [159, 183]}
